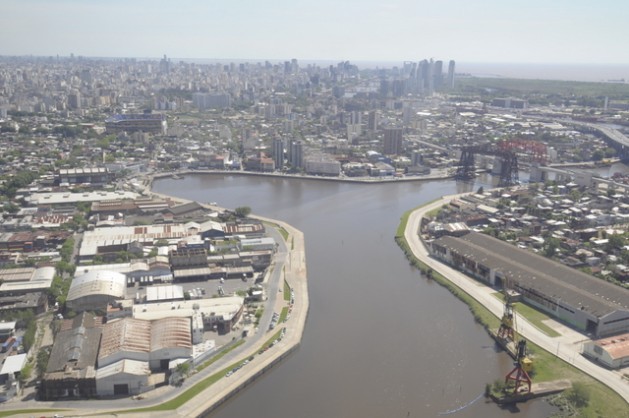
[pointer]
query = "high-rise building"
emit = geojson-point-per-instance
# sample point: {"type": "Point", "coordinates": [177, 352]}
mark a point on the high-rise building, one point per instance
{"type": "Point", "coordinates": [278, 153]}
{"type": "Point", "coordinates": [438, 75]}
{"type": "Point", "coordinates": [164, 65]}
{"type": "Point", "coordinates": [451, 74]}
{"type": "Point", "coordinates": [393, 141]}
{"type": "Point", "coordinates": [74, 100]}
{"type": "Point", "coordinates": [211, 100]}
{"type": "Point", "coordinates": [374, 120]}
{"type": "Point", "coordinates": [296, 154]}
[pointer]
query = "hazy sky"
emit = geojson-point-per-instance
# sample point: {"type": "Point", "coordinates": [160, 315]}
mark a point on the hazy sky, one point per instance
{"type": "Point", "coordinates": [551, 31]}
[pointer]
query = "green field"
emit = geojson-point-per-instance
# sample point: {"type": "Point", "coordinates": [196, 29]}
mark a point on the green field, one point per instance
{"type": "Point", "coordinates": [534, 316]}
{"type": "Point", "coordinates": [529, 87]}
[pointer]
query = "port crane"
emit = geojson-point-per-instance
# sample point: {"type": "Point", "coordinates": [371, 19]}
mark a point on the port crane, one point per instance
{"type": "Point", "coordinates": [521, 373]}
{"type": "Point", "coordinates": [523, 367]}
{"type": "Point", "coordinates": [507, 323]}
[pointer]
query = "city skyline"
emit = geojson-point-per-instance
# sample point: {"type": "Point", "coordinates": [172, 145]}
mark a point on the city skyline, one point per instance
{"type": "Point", "coordinates": [562, 32]}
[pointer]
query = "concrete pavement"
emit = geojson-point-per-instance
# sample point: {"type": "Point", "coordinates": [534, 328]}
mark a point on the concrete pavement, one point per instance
{"type": "Point", "coordinates": [567, 346]}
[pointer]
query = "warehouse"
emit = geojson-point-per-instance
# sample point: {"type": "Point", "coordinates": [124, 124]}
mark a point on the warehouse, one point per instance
{"type": "Point", "coordinates": [125, 377]}
{"type": "Point", "coordinates": [95, 290]}
{"type": "Point", "coordinates": [71, 370]}
{"type": "Point", "coordinates": [612, 352]}
{"type": "Point", "coordinates": [588, 304]}
{"type": "Point", "coordinates": [154, 342]}
{"type": "Point", "coordinates": [217, 313]}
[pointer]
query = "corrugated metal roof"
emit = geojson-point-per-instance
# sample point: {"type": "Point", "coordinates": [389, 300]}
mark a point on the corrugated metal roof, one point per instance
{"type": "Point", "coordinates": [533, 271]}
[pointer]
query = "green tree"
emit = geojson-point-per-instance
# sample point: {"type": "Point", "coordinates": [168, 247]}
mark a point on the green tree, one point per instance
{"type": "Point", "coordinates": [66, 250]}
{"type": "Point", "coordinates": [242, 211]}
{"type": "Point", "coordinates": [579, 395]}
{"type": "Point", "coordinates": [614, 242]}
{"type": "Point", "coordinates": [26, 372]}
{"type": "Point", "coordinates": [42, 361]}
{"type": "Point", "coordinates": [183, 369]}
{"type": "Point", "coordinates": [550, 246]}
{"type": "Point", "coordinates": [29, 334]}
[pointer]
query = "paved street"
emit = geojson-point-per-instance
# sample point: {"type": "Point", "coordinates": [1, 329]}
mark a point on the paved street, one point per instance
{"type": "Point", "coordinates": [567, 346]}
{"type": "Point", "coordinates": [287, 264]}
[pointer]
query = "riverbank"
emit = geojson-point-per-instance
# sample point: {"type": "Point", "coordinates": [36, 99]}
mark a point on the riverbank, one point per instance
{"type": "Point", "coordinates": [487, 309]}
{"type": "Point", "coordinates": [441, 174]}
{"type": "Point", "coordinates": [204, 391]}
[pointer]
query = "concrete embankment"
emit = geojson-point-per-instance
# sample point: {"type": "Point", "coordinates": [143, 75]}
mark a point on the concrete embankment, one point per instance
{"type": "Point", "coordinates": [361, 180]}
{"type": "Point", "coordinates": [566, 346]}
{"type": "Point", "coordinates": [295, 275]}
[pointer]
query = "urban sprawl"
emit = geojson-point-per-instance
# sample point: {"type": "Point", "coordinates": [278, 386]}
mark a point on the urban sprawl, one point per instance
{"type": "Point", "coordinates": [108, 289]}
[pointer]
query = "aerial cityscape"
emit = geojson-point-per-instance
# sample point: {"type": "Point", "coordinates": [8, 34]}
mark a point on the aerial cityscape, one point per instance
{"type": "Point", "coordinates": [359, 209]}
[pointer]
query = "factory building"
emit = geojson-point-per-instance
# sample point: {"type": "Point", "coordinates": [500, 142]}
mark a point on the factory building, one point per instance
{"type": "Point", "coordinates": [71, 369]}
{"type": "Point", "coordinates": [95, 290]}
{"type": "Point", "coordinates": [146, 122]}
{"type": "Point", "coordinates": [584, 302]}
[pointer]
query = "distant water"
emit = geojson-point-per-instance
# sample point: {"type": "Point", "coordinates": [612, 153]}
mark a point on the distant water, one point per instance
{"type": "Point", "coordinates": [576, 72]}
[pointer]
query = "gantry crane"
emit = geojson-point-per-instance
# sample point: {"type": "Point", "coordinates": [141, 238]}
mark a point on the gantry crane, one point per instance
{"type": "Point", "coordinates": [506, 331]}
{"type": "Point", "coordinates": [523, 367]}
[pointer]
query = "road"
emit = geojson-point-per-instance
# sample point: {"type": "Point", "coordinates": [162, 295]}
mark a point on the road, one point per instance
{"type": "Point", "coordinates": [567, 346]}
{"type": "Point", "coordinates": [287, 264]}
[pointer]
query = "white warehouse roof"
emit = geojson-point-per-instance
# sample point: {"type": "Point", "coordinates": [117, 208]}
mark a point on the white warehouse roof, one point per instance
{"type": "Point", "coordinates": [102, 282]}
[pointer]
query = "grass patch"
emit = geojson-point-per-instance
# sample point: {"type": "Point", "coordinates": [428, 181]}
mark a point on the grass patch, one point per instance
{"type": "Point", "coordinates": [28, 411]}
{"type": "Point", "coordinates": [286, 291]}
{"type": "Point", "coordinates": [283, 314]}
{"type": "Point", "coordinates": [283, 232]}
{"type": "Point", "coordinates": [220, 355]}
{"type": "Point", "coordinates": [533, 88]}
{"type": "Point", "coordinates": [534, 316]}
{"type": "Point", "coordinates": [604, 402]}
{"type": "Point", "coordinates": [404, 218]}
{"type": "Point", "coordinates": [274, 337]}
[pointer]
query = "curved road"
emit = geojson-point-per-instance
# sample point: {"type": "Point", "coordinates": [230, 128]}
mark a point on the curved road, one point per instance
{"type": "Point", "coordinates": [567, 346]}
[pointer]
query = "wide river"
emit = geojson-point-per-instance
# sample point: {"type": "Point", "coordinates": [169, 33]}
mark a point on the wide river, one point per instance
{"type": "Point", "coordinates": [380, 340]}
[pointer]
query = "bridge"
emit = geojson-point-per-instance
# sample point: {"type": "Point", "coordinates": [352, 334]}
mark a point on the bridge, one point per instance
{"type": "Point", "coordinates": [615, 138]}
{"type": "Point", "coordinates": [506, 161]}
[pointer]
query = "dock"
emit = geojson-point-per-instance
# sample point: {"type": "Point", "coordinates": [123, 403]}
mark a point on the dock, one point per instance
{"type": "Point", "coordinates": [538, 390]}
{"type": "Point", "coordinates": [505, 344]}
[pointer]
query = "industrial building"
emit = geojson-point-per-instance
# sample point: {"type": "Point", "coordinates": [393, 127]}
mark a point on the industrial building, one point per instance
{"type": "Point", "coordinates": [612, 352]}
{"type": "Point", "coordinates": [155, 342]}
{"type": "Point", "coordinates": [320, 165]}
{"type": "Point", "coordinates": [145, 122]}
{"type": "Point", "coordinates": [9, 376]}
{"type": "Point", "coordinates": [21, 281]}
{"type": "Point", "coordinates": [91, 175]}
{"type": "Point", "coordinates": [125, 377]}
{"type": "Point", "coordinates": [54, 199]}
{"type": "Point", "coordinates": [108, 240]}
{"type": "Point", "coordinates": [151, 270]}
{"type": "Point", "coordinates": [71, 370]}
{"type": "Point", "coordinates": [95, 290]}
{"type": "Point", "coordinates": [257, 244]}
{"type": "Point", "coordinates": [217, 313]}
{"type": "Point", "coordinates": [586, 303]}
